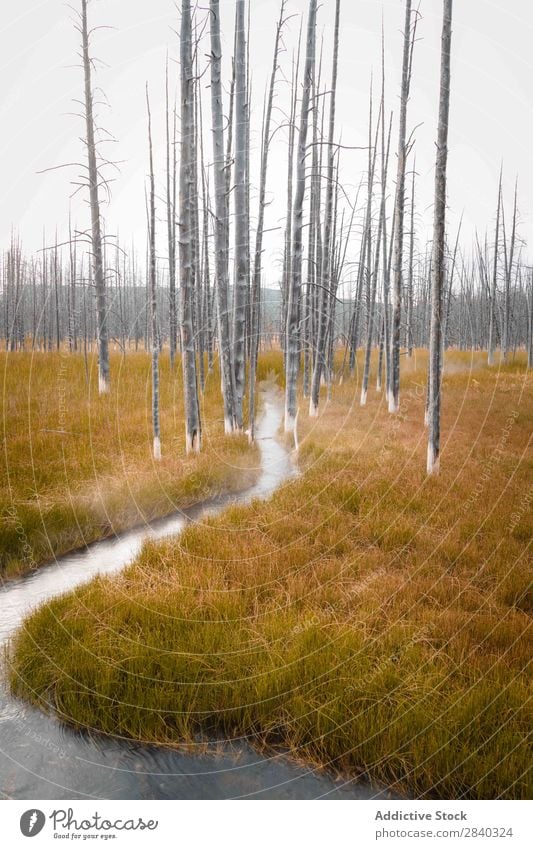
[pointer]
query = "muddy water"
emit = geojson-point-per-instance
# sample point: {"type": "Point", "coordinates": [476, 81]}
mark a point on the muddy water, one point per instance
{"type": "Point", "coordinates": [40, 758]}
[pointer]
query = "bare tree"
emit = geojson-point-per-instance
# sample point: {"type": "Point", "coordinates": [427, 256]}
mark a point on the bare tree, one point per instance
{"type": "Point", "coordinates": [408, 37]}
{"type": "Point", "coordinates": [529, 336]}
{"type": "Point", "coordinates": [221, 226]}
{"type": "Point", "coordinates": [96, 224]}
{"type": "Point", "coordinates": [509, 255]}
{"type": "Point", "coordinates": [287, 262]}
{"type": "Point", "coordinates": [327, 249]}
{"type": "Point", "coordinates": [493, 290]}
{"type": "Point", "coordinates": [439, 242]}
{"type": "Point", "coordinates": [258, 255]}
{"type": "Point", "coordinates": [190, 383]}
{"type": "Point", "coordinates": [410, 294]}
{"type": "Point", "coordinates": [171, 220]}
{"type": "Point", "coordinates": [153, 293]}
{"type": "Point", "coordinates": [295, 277]}
{"type": "Point", "coordinates": [242, 270]}
{"type": "Point", "coordinates": [375, 269]}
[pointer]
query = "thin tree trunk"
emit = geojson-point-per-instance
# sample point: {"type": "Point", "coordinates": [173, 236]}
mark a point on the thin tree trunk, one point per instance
{"type": "Point", "coordinates": [287, 258]}
{"type": "Point", "coordinates": [57, 274]}
{"type": "Point", "coordinates": [409, 330]}
{"type": "Point", "coordinates": [153, 294]}
{"type": "Point", "coordinates": [394, 396]}
{"type": "Point", "coordinates": [73, 333]}
{"type": "Point", "coordinates": [492, 295]}
{"type": "Point", "coordinates": [171, 222]}
{"type": "Point", "coordinates": [196, 250]}
{"type": "Point", "coordinates": [221, 223]}
{"type": "Point", "coordinates": [256, 283]}
{"type": "Point", "coordinates": [96, 229]}
{"type": "Point", "coordinates": [229, 163]}
{"type": "Point", "coordinates": [242, 270]}
{"type": "Point", "coordinates": [375, 270]}
{"type": "Point", "coordinates": [325, 270]}
{"type": "Point", "coordinates": [310, 303]}
{"type": "Point", "coordinates": [439, 240]}
{"type": "Point", "coordinates": [295, 277]}
{"type": "Point", "coordinates": [190, 384]}
{"type": "Point", "coordinates": [530, 322]}
{"type": "Point", "coordinates": [509, 260]}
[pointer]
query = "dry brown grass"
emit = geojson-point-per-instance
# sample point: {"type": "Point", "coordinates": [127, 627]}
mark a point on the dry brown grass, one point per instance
{"type": "Point", "coordinates": [367, 617]}
{"type": "Point", "coordinates": [77, 467]}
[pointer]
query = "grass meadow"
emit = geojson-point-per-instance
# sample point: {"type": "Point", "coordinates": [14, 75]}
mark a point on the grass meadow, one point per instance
{"type": "Point", "coordinates": [367, 618]}
{"type": "Point", "coordinates": [77, 467]}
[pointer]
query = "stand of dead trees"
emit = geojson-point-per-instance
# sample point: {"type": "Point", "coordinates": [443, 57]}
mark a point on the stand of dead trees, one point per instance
{"type": "Point", "coordinates": [355, 274]}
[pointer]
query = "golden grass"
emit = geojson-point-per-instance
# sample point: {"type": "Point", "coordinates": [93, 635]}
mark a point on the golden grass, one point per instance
{"type": "Point", "coordinates": [77, 467]}
{"type": "Point", "coordinates": [367, 617]}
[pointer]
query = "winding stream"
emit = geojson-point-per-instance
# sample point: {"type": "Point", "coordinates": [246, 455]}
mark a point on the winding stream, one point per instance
{"type": "Point", "coordinates": [40, 758]}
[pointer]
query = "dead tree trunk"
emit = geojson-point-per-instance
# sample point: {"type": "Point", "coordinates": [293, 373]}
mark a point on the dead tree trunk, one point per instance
{"type": "Point", "coordinates": [287, 261]}
{"type": "Point", "coordinates": [509, 261]}
{"type": "Point", "coordinates": [171, 223]}
{"type": "Point", "coordinates": [221, 224]}
{"type": "Point", "coordinates": [409, 320]}
{"type": "Point", "coordinates": [439, 239]}
{"type": "Point", "coordinates": [295, 277]}
{"type": "Point", "coordinates": [256, 282]}
{"type": "Point", "coordinates": [394, 396]}
{"type": "Point", "coordinates": [375, 270]}
{"type": "Point", "coordinates": [242, 270]}
{"type": "Point", "coordinates": [153, 293]}
{"type": "Point", "coordinates": [196, 256]}
{"type": "Point", "coordinates": [529, 339]}
{"type": "Point", "coordinates": [492, 298]}
{"type": "Point", "coordinates": [190, 383]}
{"type": "Point", "coordinates": [72, 326]}
{"type": "Point", "coordinates": [325, 273]}
{"type": "Point", "coordinates": [96, 226]}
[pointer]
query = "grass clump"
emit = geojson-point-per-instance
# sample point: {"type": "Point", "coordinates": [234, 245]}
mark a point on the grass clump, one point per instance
{"type": "Point", "coordinates": [77, 467]}
{"type": "Point", "coordinates": [382, 628]}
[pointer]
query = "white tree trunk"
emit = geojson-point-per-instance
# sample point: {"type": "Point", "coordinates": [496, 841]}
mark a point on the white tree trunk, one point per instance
{"type": "Point", "coordinates": [325, 272]}
{"type": "Point", "coordinates": [492, 293]}
{"type": "Point", "coordinates": [171, 223]}
{"type": "Point", "coordinates": [295, 276]}
{"type": "Point", "coordinates": [394, 393]}
{"type": "Point", "coordinates": [242, 270]}
{"type": "Point", "coordinates": [439, 238]}
{"type": "Point", "coordinates": [255, 312]}
{"type": "Point", "coordinates": [375, 270]}
{"type": "Point", "coordinates": [153, 294]}
{"type": "Point", "coordinates": [221, 239]}
{"type": "Point", "coordinates": [96, 224]}
{"type": "Point", "coordinates": [190, 384]}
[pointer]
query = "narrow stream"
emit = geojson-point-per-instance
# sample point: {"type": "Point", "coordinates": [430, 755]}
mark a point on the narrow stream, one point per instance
{"type": "Point", "coordinates": [40, 758]}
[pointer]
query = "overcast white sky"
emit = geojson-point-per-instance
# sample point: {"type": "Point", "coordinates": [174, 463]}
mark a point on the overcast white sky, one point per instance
{"type": "Point", "coordinates": [491, 114]}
